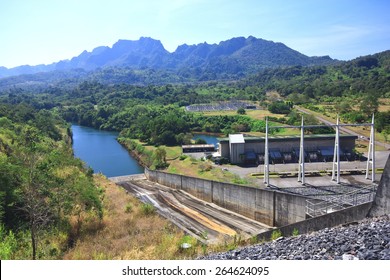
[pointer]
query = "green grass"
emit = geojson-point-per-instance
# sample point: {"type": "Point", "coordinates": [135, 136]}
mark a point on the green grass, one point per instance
{"type": "Point", "coordinates": [172, 151]}
{"type": "Point", "coordinates": [276, 234]}
{"type": "Point", "coordinates": [205, 170]}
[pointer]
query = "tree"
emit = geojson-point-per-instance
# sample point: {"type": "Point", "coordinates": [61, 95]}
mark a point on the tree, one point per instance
{"type": "Point", "coordinates": [34, 204]}
{"type": "Point", "coordinates": [369, 104]}
{"type": "Point", "coordinates": [343, 107]}
{"type": "Point", "coordinates": [160, 160]}
{"type": "Point", "coordinates": [241, 111]}
{"type": "Point", "coordinates": [279, 107]}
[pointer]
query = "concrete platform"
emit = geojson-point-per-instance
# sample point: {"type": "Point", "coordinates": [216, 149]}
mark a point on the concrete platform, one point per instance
{"type": "Point", "coordinates": [318, 181]}
{"type": "Point", "coordinates": [243, 171]}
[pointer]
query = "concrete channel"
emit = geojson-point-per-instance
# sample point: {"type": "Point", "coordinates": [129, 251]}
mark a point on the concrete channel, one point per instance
{"type": "Point", "coordinates": [205, 221]}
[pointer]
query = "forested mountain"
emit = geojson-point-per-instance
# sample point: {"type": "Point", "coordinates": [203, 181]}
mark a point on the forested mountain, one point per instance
{"type": "Point", "coordinates": [235, 57]}
{"type": "Point", "coordinates": [147, 111]}
{"type": "Point", "coordinates": [363, 76]}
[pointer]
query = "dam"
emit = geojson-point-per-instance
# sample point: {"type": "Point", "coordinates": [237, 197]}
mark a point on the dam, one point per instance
{"type": "Point", "coordinates": [214, 211]}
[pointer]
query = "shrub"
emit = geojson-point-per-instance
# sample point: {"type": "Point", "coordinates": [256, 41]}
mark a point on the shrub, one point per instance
{"type": "Point", "coordinates": [276, 234]}
{"type": "Point", "coordinates": [204, 166]}
{"type": "Point", "coordinates": [241, 111]}
{"type": "Point", "coordinates": [148, 209]}
{"type": "Point", "coordinates": [183, 157]}
{"type": "Point", "coordinates": [8, 243]}
{"type": "Point", "coordinates": [279, 107]}
{"type": "Point", "coordinates": [128, 207]}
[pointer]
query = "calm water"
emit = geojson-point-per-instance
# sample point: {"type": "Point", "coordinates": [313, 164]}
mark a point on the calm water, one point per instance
{"type": "Point", "coordinates": [210, 139]}
{"type": "Point", "coordinates": [100, 150]}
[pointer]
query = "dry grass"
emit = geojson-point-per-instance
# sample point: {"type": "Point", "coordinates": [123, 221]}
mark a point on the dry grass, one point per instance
{"type": "Point", "coordinates": [128, 234]}
{"type": "Point", "coordinates": [195, 168]}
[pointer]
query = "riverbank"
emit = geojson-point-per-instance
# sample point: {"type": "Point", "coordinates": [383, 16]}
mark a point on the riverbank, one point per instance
{"type": "Point", "coordinates": [136, 151]}
{"type": "Point", "coordinates": [181, 164]}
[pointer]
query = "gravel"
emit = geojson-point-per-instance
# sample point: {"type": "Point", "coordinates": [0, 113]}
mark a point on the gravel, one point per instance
{"type": "Point", "coordinates": [366, 240]}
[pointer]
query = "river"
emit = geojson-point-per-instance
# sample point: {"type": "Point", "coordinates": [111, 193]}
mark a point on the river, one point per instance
{"type": "Point", "coordinates": [209, 138]}
{"type": "Point", "coordinates": [100, 150]}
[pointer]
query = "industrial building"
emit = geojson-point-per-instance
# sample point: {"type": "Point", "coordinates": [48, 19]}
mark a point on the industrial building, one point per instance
{"type": "Point", "coordinates": [240, 149]}
{"type": "Point", "coordinates": [198, 148]}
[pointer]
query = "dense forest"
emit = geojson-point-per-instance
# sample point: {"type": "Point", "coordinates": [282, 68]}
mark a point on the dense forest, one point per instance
{"type": "Point", "coordinates": [156, 114]}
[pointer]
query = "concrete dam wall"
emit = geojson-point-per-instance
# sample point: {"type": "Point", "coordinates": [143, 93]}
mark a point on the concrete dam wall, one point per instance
{"type": "Point", "coordinates": [266, 206]}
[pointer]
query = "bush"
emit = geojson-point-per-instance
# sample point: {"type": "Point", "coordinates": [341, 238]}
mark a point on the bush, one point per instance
{"type": "Point", "coordinates": [241, 111]}
{"type": "Point", "coordinates": [183, 157]}
{"type": "Point", "coordinates": [203, 167]}
{"type": "Point", "coordinates": [8, 243]}
{"type": "Point", "coordinates": [279, 107]}
{"type": "Point", "coordinates": [276, 234]}
{"type": "Point", "coordinates": [128, 207]}
{"type": "Point", "coordinates": [147, 209]}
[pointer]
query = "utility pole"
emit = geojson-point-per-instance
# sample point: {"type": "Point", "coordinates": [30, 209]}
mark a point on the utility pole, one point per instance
{"type": "Point", "coordinates": [301, 170]}
{"type": "Point", "coordinates": [336, 154]}
{"type": "Point", "coordinates": [266, 157]}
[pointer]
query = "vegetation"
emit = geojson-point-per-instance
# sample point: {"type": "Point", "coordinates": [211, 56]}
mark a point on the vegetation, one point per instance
{"type": "Point", "coordinates": [136, 234]}
{"type": "Point", "coordinates": [279, 107]}
{"type": "Point", "coordinates": [43, 187]}
{"type": "Point", "coordinates": [50, 205]}
{"type": "Point", "coordinates": [276, 234]}
{"type": "Point", "coordinates": [155, 113]}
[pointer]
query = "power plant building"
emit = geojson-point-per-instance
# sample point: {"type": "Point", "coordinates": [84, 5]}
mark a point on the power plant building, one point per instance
{"type": "Point", "coordinates": [240, 149]}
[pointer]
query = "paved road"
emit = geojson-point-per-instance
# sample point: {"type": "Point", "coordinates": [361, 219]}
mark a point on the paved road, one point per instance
{"type": "Point", "coordinates": [342, 128]}
{"type": "Point", "coordinates": [203, 220]}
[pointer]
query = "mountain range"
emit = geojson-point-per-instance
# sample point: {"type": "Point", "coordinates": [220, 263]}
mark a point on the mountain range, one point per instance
{"type": "Point", "coordinates": [234, 57]}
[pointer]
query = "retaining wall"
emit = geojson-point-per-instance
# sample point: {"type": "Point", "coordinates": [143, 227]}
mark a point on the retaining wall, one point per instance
{"type": "Point", "coordinates": [266, 206]}
{"type": "Point", "coordinates": [344, 216]}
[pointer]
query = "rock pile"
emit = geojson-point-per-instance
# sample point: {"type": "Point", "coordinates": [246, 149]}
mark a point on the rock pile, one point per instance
{"type": "Point", "coordinates": [366, 240]}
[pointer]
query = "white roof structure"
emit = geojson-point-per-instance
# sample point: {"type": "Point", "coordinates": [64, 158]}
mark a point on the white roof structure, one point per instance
{"type": "Point", "coordinates": [236, 139]}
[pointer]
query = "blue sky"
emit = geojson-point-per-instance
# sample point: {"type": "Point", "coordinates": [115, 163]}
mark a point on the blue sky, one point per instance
{"type": "Point", "coordinates": [44, 31]}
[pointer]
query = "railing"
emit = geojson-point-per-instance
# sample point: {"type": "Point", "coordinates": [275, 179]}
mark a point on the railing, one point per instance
{"type": "Point", "coordinates": [332, 203]}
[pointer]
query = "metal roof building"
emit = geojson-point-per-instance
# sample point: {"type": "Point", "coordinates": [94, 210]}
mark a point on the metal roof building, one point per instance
{"type": "Point", "coordinates": [239, 149]}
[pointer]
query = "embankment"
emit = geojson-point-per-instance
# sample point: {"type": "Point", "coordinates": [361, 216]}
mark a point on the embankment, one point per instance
{"type": "Point", "coordinates": [137, 151]}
